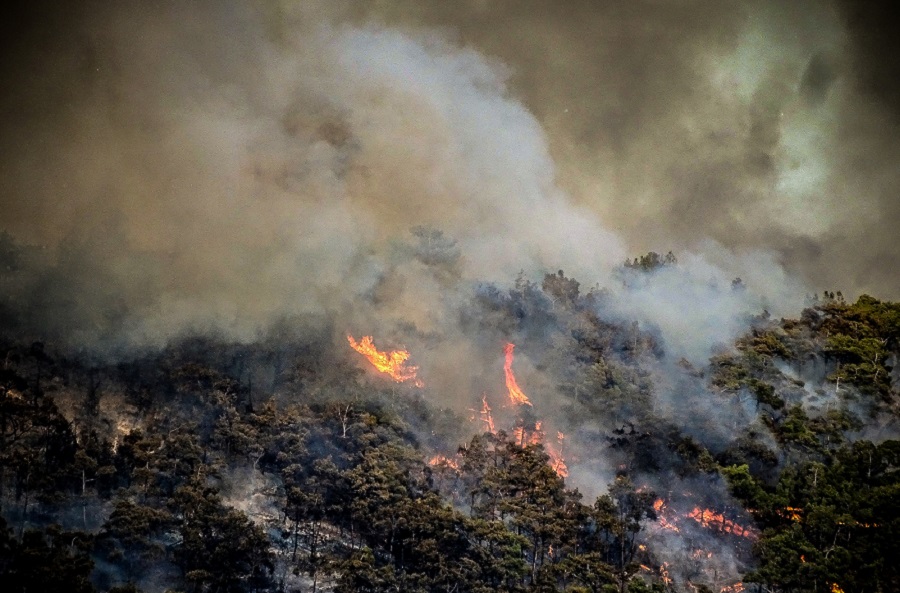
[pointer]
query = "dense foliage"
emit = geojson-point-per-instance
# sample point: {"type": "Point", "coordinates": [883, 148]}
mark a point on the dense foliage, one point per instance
{"type": "Point", "coordinates": [282, 465]}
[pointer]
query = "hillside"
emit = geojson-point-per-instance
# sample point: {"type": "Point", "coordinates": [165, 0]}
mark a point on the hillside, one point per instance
{"type": "Point", "coordinates": [589, 459]}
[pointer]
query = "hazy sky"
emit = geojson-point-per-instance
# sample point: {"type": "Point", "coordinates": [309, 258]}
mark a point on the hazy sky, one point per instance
{"type": "Point", "coordinates": [236, 160]}
{"type": "Point", "coordinates": [764, 125]}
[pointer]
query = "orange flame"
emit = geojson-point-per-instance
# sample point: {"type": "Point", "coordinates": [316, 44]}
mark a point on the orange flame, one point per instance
{"type": "Point", "coordinates": [714, 520]}
{"type": "Point", "coordinates": [444, 461]}
{"type": "Point", "coordinates": [523, 437]}
{"type": "Point", "coordinates": [392, 363]}
{"type": "Point", "coordinates": [556, 457]}
{"type": "Point", "coordinates": [659, 505]}
{"type": "Point", "coordinates": [735, 588]}
{"type": "Point", "coordinates": [705, 517]}
{"type": "Point", "coordinates": [515, 393]}
{"type": "Point", "coordinates": [792, 513]}
{"type": "Point", "coordinates": [664, 573]}
{"type": "Point", "coordinates": [835, 588]}
{"type": "Point", "coordinates": [519, 435]}
{"type": "Point", "coordinates": [486, 416]}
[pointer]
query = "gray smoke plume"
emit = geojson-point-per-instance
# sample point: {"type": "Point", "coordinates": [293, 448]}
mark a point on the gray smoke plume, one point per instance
{"type": "Point", "coordinates": [762, 125]}
{"type": "Point", "coordinates": [190, 167]}
{"type": "Point", "coordinates": [217, 167]}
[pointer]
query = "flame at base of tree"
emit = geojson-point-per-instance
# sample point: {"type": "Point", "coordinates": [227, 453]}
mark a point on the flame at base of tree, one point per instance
{"type": "Point", "coordinates": [486, 416]}
{"type": "Point", "coordinates": [392, 363]}
{"type": "Point", "coordinates": [535, 436]}
{"type": "Point", "coordinates": [516, 395]}
{"type": "Point", "coordinates": [556, 456]}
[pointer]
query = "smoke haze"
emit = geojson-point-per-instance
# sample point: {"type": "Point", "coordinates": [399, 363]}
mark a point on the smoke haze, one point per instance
{"type": "Point", "coordinates": [202, 166]}
{"type": "Point", "coordinates": [370, 167]}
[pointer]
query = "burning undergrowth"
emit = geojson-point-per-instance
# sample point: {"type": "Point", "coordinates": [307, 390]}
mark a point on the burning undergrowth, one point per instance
{"type": "Point", "coordinates": [556, 392]}
{"type": "Point", "coordinates": [187, 319]}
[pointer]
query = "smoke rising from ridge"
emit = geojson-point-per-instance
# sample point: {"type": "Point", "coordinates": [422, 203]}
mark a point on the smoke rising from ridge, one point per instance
{"type": "Point", "coordinates": [225, 166]}
{"type": "Point", "coordinates": [760, 125]}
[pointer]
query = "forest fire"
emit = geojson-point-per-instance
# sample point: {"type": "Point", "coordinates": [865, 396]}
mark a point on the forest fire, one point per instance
{"type": "Point", "coordinates": [735, 588]}
{"type": "Point", "coordinates": [705, 517]}
{"type": "Point", "coordinates": [792, 513]}
{"type": "Point", "coordinates": [486, 416]}
{"type": "Point", "coordinates": [524, 437]}
{"type": "Point", "coordinates": [443, 460]}
{"type": "Point", "coordinates": [659, 505]}
{"type": "Point", "coordinates": [556, 457]}
{"type": "Point", "coordinates": [392, 363]}
{"type": "Point", "coordinates": [516, 395]}
{"type": "Point", "coordinates": [664, 573]}
{"type": "Point", "coordinates": [713, 520]}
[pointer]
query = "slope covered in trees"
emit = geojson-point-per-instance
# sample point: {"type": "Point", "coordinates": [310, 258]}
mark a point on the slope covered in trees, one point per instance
{"type": "Point", "coordinates": [286, 464]}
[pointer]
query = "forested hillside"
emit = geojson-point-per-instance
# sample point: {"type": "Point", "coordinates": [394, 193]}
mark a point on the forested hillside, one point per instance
{"type": "Point", "coordinates": [589, 459]}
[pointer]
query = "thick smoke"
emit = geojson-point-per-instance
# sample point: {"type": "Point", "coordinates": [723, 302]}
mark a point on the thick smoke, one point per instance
{"type": "Point", "coordinates": [173, 168]}
{"type": "Point", "coordinates": [201, 168]}
{"type": "Point", "coordinates": [205, 167]}
{"type": "Point", "coordinates": [762, 125]}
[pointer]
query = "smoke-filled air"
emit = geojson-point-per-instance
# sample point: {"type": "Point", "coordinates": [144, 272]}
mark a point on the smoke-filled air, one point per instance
{"type": "Point", "coordinates": [430, 296]}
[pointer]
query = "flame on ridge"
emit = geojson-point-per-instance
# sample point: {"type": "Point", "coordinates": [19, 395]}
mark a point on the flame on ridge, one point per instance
{"type": "Point", "coordinates": [392, 363]}
{"type": "Point", "coordinates": [515, 393]}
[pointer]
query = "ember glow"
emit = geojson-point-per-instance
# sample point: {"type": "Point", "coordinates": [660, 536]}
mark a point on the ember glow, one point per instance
{"type": "Point", "coordinates": [486, 416]}
{"type": "Point", "coordinates": [556, 456]}
{"type": "Point", "coordinates": [662, 515]}
{"type": "Point", "coordinates": [443, 460]}
{"type": "Point", "coordinates": [664, 573]}
{"type": "Point", "coordinates": [705, 517]}
{"type": "Point", "coordinates": [524, 437]}
{"type": "Point", "coordinates": [714, 520]}
{"type": "Point", "coordinates": [515, 393]}
{"type": "Point", "coordinates": [735, 588]}
{"type": "Point", "coordinates": [792, 513]}
{"type": "Point", "coordinates": [392, 363]}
